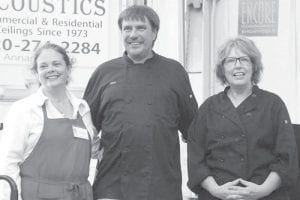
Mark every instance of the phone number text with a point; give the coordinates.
(32, 45)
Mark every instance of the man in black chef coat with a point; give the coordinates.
(139, 102)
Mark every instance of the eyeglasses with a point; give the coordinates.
(244, 60)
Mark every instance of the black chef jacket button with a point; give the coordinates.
(126, 172)
(147, 148)
(145, 174)
(128, 100)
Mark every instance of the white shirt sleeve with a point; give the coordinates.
(23, 126)
(13, 143)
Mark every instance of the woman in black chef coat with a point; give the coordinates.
(241, 144)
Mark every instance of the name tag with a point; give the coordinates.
(80, 133)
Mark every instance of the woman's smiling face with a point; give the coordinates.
(52, 69)
(238, 68)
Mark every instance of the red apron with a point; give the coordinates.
(58, 166)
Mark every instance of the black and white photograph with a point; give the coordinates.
(149, 99)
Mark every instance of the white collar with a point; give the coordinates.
(78, 104)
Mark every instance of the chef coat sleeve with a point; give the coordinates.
(92, 95)
(196, 149)
(187, 105)
(285, 148)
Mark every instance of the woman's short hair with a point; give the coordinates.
(54, 47)
(247, 47)
(139, 12)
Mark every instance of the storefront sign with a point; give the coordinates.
(258, 17)
(79, 26)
